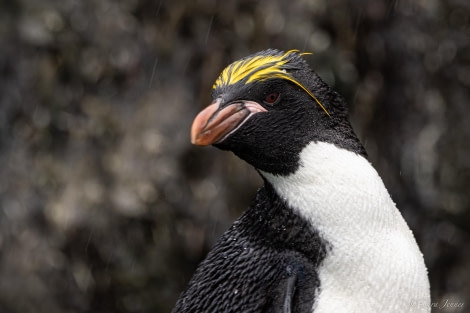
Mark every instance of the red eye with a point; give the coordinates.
(272, 97)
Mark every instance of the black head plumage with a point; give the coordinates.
(304, 109)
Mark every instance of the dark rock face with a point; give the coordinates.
(105, 206)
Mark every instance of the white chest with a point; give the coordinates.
(374, 264)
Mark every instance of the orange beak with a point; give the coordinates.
(215, 123)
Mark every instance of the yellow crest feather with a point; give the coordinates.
(259, 68)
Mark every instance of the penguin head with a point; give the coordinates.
(267, 107)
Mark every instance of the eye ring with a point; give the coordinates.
(272, 98)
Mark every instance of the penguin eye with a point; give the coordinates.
(272, 98)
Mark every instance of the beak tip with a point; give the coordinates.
(198, 128)
(195, 133)
(196, 140)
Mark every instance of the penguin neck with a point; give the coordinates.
(338, 192)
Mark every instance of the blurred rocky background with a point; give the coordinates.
(104, 204)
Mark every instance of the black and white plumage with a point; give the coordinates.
(322, 234)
